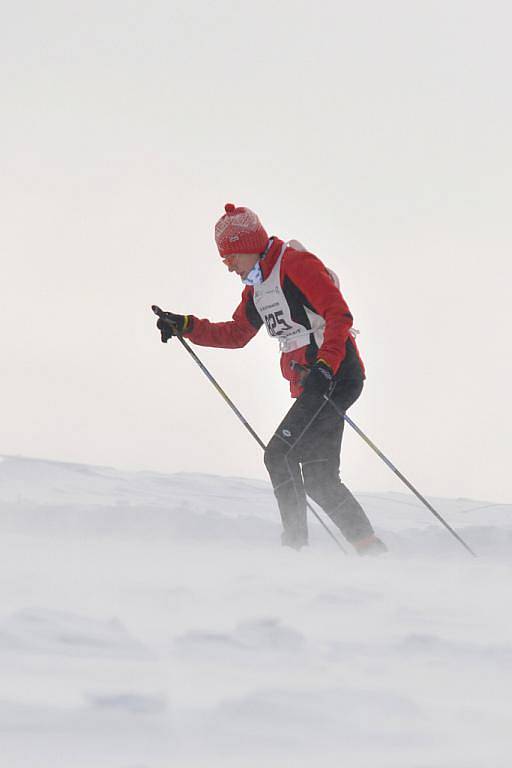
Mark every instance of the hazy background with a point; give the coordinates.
(376, 133)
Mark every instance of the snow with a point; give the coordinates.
(152, 620)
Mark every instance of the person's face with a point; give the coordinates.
(241, 263)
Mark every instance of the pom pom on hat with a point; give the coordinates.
(239, 231)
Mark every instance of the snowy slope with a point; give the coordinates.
(72, 498)
(150, 620)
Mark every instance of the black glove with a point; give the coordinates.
(170, 325)
(319, 380)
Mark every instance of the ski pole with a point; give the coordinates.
(388, 463)
(399, 474)
(244, 421)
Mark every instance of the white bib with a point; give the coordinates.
(271, 305)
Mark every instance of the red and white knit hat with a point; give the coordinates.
(239, 231)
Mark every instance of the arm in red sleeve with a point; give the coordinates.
(232, 334)
(322, 296)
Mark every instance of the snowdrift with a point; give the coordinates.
(152, 620)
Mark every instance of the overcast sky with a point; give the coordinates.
(376, 133)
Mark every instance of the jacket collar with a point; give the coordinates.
(268, 261)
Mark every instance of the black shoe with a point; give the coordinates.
(293, 540)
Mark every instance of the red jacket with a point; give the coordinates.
(306, 283)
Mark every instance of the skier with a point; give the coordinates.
(298, 299)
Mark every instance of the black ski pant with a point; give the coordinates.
(303, 457)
